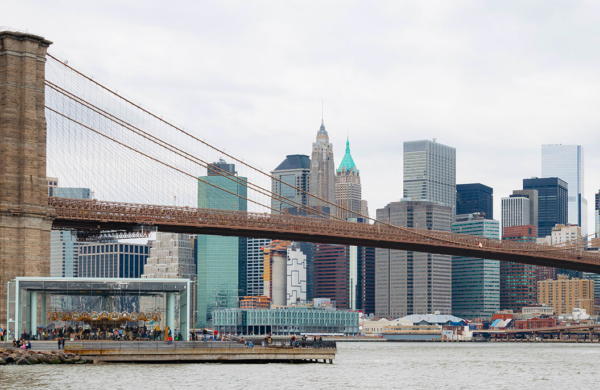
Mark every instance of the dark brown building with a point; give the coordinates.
(518, 282)
(345, 274)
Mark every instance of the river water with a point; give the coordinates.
(358, 365)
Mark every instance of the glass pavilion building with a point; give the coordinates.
(106, 302)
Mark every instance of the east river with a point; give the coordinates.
(358, 365)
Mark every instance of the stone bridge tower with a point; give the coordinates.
(25, 217)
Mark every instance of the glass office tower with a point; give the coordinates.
(221, 260)
(475, 198)
(597, 214)
(566, 163)
(552, 202)
(475, 281)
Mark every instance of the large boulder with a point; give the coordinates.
(23, 362)
(55, 360)
(9, 359)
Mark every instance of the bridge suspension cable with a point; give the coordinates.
(110, 91)
(177, 151)
(120, 118)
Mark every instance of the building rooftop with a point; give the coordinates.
(430, 318)
(322, 130)
(294, 161)
(347, 162)
(101, 286)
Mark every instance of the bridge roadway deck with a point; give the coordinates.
(101, 215)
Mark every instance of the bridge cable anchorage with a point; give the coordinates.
(180, 152)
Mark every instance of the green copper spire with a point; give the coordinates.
(347, 161)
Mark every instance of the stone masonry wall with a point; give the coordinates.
(25, 218)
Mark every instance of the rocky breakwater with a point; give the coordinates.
(27, 357)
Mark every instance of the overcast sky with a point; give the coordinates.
(494, 79)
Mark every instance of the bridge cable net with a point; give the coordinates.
(70, 96)
(132, 155)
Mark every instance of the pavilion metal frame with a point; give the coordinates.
(94, 286)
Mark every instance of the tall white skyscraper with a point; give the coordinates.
(566, 163)
(296, 274)
(516, 211)
(255, 269)
(430, 172)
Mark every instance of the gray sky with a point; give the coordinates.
(495, 80)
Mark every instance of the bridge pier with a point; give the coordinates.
(25, 217)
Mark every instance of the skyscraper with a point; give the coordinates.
(475, 281)
(64, 247)
(475, 198)
(518, 282)
(294, 171)
(532, 195)
(112, 260)
(597, 214)
(221, 260)
(255, 268)
(413, 282)
(515, 211)
(296, 274)
(322, 173)
(552, 202)
(348, 192)
(345, 274)
(170, 257)
(430, 173)
(566, 163)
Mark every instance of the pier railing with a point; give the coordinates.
(74, 346)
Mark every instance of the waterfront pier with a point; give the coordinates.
(198, 352)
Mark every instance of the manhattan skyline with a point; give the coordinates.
(496, 94)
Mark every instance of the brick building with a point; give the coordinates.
(535, 323)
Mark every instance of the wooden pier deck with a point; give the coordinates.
(196, 352)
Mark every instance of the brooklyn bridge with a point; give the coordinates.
(53, 114)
